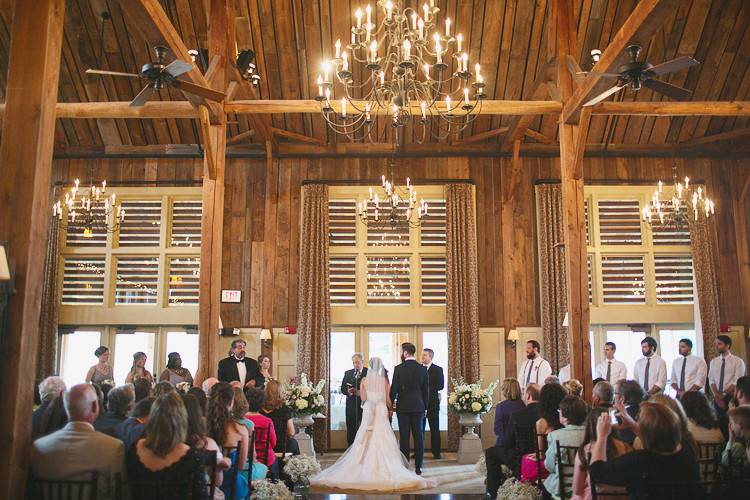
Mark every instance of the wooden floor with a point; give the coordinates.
(454, 481)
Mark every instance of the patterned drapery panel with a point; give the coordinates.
(314, 309)
(47, 353)
(703, 245)
(462, 291)
(553, 288)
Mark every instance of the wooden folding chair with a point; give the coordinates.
(63, 489)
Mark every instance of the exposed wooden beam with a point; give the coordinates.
(297, 137)
(729, 135)
(538, 136)
(208, 146)
(122, 109)
(482, 136)
(646, 18)
(26, 157)
(241, 137)
(539, 90)
(694, 108)
(249, 94)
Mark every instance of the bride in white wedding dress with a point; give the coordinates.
(374, 461)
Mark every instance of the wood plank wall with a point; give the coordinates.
(262, 212)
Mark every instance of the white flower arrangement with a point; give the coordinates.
(301, 468)
(265, 489)
(183, 387)
(304, 398)
(471, 398)
(512, 489)
(108, 381)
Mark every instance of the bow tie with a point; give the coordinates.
(239, 360)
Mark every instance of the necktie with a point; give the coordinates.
(645, 378)
(682, 374)
(721, 374)
(528, 375)
(609, 370)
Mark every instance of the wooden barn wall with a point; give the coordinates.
(262, 213)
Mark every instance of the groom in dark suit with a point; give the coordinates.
(409, 394)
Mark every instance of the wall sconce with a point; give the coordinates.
(265, 337)
(4, 267)
(513, 336)
(565, 321)
(247, 67)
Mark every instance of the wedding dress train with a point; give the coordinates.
(374, 461)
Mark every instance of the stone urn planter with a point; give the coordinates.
(469, 446)
(302, 422)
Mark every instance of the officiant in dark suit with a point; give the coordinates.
(409, 393)
(436, 382)
(238, 367)
(350, 388)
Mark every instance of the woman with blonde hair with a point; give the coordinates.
(276, 409)
(511, 403)
(573, 387)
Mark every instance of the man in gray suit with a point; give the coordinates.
(77, 450)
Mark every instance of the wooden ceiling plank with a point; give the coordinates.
(272, 71)
(538, 90)
(294, 136)
(482, 136)
(287, 59)
(304, 79)
(71, 89)
(642, 23)
(495, 37)
(312, 33)
(729, 135)
(241, 137)
(244, 40)
(674, 108)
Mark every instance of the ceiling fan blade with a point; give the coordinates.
(608, 75)
(671, 66)
(143, 95)
(178, 67)
(113, 73)
(604, 95)
(668, 89)
(211, 94)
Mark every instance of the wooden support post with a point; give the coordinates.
(510, 182)
(572, 146)
(269, 242)
(212, 223)
(26, 160)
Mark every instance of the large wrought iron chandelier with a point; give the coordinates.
(89, 212)
(687, 203)
(394, 206)
(411, 66)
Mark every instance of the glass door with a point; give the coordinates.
(344, 344)
(628, 345)
(127, 344)
(78, 355)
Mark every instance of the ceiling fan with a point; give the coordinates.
(641, 73)
(159, 75)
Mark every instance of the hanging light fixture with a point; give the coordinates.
(687, 203)
(89, 212)
(393, 206)
(411, 67)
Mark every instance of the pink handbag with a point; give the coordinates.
(530, 470)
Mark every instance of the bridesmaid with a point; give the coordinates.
(102, 370)
(138, 370)
(264, 371)
(175, 373)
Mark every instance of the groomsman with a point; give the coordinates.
(350, 387)
(724, 371)
(436, 382)
(611, 369)
(536, 368)
(651, 370)
(688, 370)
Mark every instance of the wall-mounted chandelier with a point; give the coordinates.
(411, 66)
(89, 213)
(687, 203)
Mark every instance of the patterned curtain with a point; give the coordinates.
(554, 300)
(314, 309)
(47, 353)
(703, 246)
(462, 291)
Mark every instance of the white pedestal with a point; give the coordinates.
(304, 440)
(470, 445)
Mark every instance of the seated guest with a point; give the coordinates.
(208, 384)
(572, 415)
(142, 389)
(256, 398)
(552, 379)
(162, 456)
(175, 373)
(676, 407)
(162, 388)
(602, 395)
(198, 439)
(77, 450)
(119, 403)
(228, 433)
(735, 452)
(702, 422)
(663, 454)
(497, 456)
(49, 389)
(201, 397)
(511, 403)
(549, 418)
(742, 391)
(240, 409)
(614, 448)
(628, 395)
(130, 430)
(573, 387)
(53, 419)
(276, 409)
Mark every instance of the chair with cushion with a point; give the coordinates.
(709, 461)
(565, 459)
(599, 490)
(59, 489)
(525, 442)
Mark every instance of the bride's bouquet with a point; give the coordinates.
(471, 398)
(304, 398)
